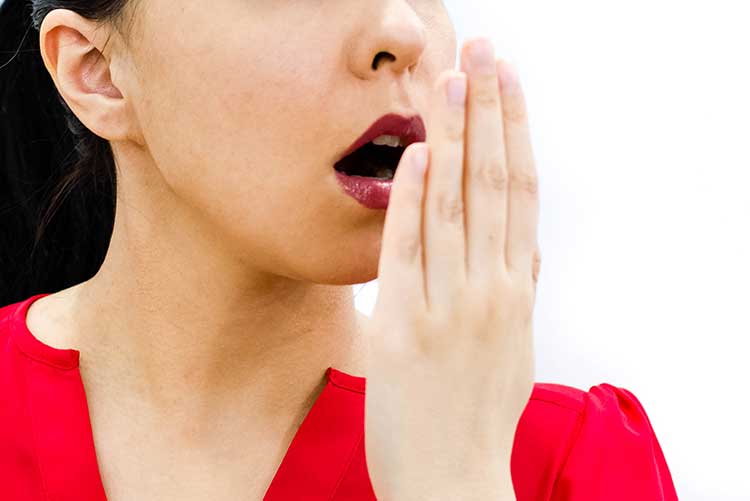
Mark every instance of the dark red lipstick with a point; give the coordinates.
(411, 130)
(374, 192)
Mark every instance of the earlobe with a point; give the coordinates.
(71, 49)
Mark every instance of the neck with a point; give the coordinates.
(192, 331)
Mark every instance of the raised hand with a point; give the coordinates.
(451, 364)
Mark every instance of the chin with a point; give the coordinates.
(354, 269)
(355, 275)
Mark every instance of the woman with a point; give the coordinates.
(201, 342)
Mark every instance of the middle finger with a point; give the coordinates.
(444, 235)
(486, 165)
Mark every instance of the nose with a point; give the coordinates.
(389, 34)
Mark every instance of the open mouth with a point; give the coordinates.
(372, 160)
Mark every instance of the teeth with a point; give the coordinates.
(384, 173)
(385, 140)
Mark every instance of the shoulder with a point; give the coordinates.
(9, 324)
(567, 434)
(561, 416)
(558, 397)
(12, 373)
(7, 313)
(551, 416)
(557, 401)
(544, 434)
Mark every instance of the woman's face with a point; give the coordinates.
(245, 105)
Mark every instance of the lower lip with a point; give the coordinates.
(368, 191)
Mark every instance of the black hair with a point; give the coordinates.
(57, 178)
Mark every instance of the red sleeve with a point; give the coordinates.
(615, 454)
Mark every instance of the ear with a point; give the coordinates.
(73, 50)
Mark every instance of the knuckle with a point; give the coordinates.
(515, 112)
(493, 173)
(429, 340)
(450, 207)
(499, 285)
(454, 130)
(524, 180)
(459, 312)
(409, 248)
(485, 91)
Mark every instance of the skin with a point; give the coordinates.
(451, 364)
(225, 292)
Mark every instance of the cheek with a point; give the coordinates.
(242, 142)
(243, 109)
(241, 106)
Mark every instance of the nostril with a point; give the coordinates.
(379, 55)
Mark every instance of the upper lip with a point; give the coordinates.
(410, 129)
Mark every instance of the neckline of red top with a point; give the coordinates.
(68, 358)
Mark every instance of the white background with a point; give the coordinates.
(639, 114)
(640, 120)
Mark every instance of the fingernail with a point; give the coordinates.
(508, 75)
(482, 55)
(457, 90)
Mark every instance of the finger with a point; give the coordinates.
(523, 187)
(444, 237)
(400, 274)
(486, 167)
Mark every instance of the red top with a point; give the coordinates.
(569, 444)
